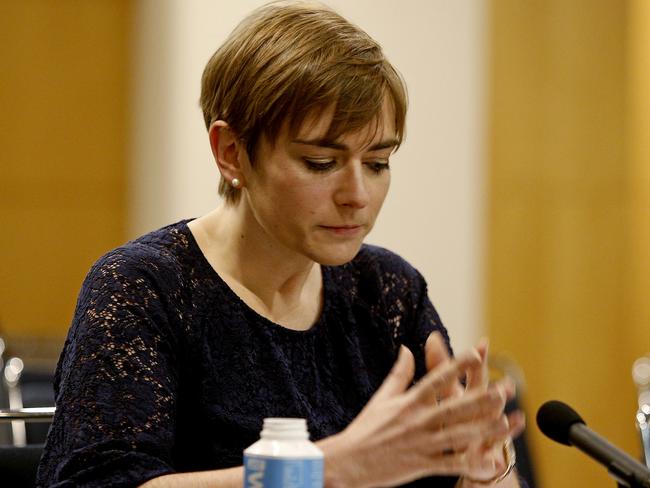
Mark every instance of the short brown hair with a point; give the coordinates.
(287, 61)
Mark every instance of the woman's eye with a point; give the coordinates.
(319, 164)
(377, 166)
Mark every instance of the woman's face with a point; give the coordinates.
(319, 198)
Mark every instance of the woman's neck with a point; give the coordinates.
(279, 284)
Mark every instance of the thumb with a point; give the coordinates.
(479, 377)
(435, 351)
(437, 354)
(400, 376)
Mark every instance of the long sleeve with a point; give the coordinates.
(116, 382)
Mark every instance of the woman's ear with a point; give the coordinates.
(226, 149)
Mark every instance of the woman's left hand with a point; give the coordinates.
(484, 460)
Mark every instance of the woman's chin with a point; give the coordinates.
(338, 256)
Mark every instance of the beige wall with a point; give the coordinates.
(433, 213)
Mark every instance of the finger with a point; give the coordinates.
(473, 406)
(400, 376)
(517, 421)
(488, 456)
(451, 451)
(482, 347)
(450, 463)
(460, 437)
(435, 350)
(443, 377)
(478, 377)
(436, 354)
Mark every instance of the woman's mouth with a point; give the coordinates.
(343, 230)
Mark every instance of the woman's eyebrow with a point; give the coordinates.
(388, 143)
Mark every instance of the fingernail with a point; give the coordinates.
(402, 351)
(512, 385)
(497, 393)
(482, 347)
(518, 418)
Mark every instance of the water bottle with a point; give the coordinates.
(283, 457)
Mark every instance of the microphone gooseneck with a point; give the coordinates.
(562, 424)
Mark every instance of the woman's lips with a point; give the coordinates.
(343, 230)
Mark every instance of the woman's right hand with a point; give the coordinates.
(428, 429)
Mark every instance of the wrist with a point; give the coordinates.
(341, 469)
(344, 462)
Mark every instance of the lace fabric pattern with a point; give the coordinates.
(166, 370)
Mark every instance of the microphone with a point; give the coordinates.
(562, 424)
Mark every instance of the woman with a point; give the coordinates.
(186, 338)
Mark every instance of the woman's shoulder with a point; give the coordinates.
(160, 247)
(157, 256)
(142, 279)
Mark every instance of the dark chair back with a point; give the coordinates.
(18, 465)
(500, 366)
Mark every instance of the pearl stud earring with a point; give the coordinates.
(235, 182)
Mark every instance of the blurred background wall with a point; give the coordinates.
(568, 254)
(64, 127)
(522, 192)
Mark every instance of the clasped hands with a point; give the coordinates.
(434, 427)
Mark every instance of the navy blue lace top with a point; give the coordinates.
(166, 370)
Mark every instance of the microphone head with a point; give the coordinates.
(555, 419)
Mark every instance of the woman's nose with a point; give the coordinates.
(352, 190)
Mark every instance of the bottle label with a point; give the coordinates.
(271, 472)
